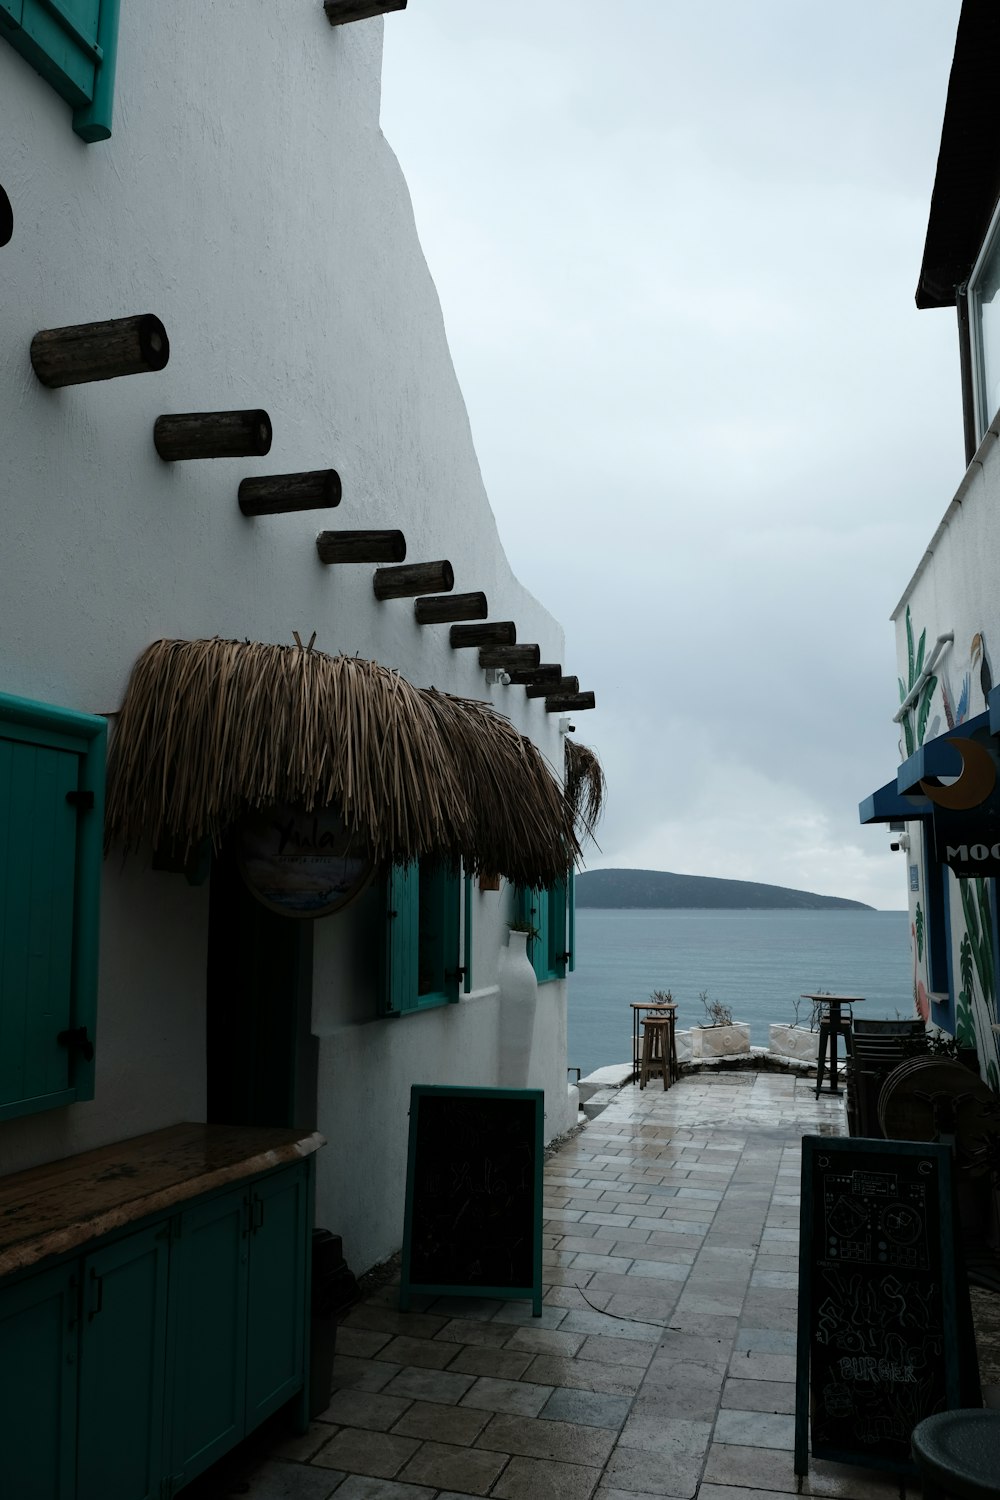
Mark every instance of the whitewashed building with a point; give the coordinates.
(219, 170)
(948, 618)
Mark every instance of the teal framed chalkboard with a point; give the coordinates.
(884, 1327)
(473, 1221)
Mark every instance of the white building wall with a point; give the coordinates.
(954, 589)
(248, 198)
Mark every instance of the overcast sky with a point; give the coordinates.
(676, 246)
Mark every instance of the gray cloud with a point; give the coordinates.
(676, 247)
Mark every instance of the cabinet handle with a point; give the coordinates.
(96, 1285)
(258, 1214)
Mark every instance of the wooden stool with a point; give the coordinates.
(831, 1027)
(958, 1453)
(658, 1049)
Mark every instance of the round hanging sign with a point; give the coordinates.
(302, 864)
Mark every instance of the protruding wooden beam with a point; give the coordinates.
(413, 579)
(493, 633)
(447, 607)
(99, 351)
(340, 12)
(510, 656)
(361, 546)
(547, 674)
(212, 434)
(6, 219)
(569, 703)
(543, 689)
(277, 494)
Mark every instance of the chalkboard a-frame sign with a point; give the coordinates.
(883, 1321)
(473, 1223)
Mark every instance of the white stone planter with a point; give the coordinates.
(720, 1041)
(793, 1041)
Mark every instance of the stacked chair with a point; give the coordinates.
(877, 1048)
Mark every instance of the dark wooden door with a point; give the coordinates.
(259, 998)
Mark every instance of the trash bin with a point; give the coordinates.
(333, 1289)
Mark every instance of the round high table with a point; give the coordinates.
(830, 1028)
(638, 1006)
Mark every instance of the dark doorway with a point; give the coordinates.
(260, 1052)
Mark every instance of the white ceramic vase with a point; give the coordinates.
(518, 997)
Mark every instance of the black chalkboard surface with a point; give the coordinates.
(473, 1222)
(880, 1304)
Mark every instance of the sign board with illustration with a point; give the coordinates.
(473, 1218)
(301, 864)
(883, 1318)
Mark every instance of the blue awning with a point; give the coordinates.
(937, 757)
(888, 806)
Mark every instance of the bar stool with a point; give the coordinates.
(833, 1024)
(957, 1453)
(659, 1050)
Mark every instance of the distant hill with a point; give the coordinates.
(661, 889)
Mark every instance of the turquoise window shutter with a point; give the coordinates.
(571, 919)
(73, 44)
(557, 924)
(451, 922)
(399, 986)
(467, 936)
(51, 830)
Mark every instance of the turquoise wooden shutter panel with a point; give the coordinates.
(451, 922)
(399, 991)
(467, 944)
(38, 849)
(59, 38)
(557, 930)
(571, 919)
(73, 45)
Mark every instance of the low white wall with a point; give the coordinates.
(365, 1074)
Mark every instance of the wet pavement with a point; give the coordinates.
(664, 1362)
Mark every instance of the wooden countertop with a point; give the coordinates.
(51, 1209)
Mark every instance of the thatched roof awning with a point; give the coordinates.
(586, 787)
(210, 728)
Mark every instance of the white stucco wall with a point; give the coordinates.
(248, 198)
(954, 589)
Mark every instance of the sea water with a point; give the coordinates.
(756, 962)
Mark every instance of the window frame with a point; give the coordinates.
(991, 243)
(550, 911)
(25, 721)
(399, 988)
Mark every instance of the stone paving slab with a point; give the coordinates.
(663, 1364)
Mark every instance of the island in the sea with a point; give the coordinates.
(663, 889)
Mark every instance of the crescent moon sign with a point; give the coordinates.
(975, 782)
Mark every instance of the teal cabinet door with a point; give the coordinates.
(276, 1310)
(208, 1302)
(123, 1357)
(38, 1384)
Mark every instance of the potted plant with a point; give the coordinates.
(720, 1036)
(797, 1041)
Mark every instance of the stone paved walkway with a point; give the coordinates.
(664, 1362)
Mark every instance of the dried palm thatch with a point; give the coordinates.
(586, 787)
(210, 728)
(522, 823)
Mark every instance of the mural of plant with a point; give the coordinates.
(976, 1007)
(919, 933)
(921, 709)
